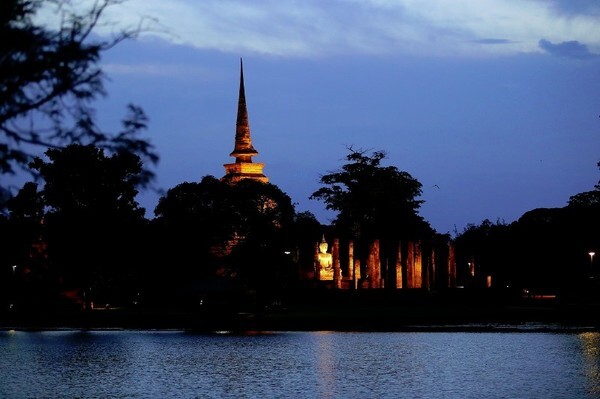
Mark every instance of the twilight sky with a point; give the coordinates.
(496, 102)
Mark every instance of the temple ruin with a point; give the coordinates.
(392, 264)
(350, 264)
(243, 167)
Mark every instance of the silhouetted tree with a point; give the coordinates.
(545, 250)
(491, 248)
(306, 231)
(23, 225)
(373, 201)
(82, 182)
(192, 219)
(587, 199)
(20, 230)
(49, 79)
(27, 204)
(93, 221)
(263, 220)
(549, 248)
(234, 230)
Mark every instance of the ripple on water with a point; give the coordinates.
(149, 364)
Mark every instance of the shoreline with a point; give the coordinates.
(536, 317)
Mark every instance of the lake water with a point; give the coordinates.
(151, 364)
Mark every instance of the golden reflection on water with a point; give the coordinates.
(590, 344)
(325, 364)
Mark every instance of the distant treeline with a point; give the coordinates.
(79, 236)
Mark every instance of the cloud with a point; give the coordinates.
(576, 7)
(569, 49)
(493, 41)
(158, 70)
(310, 28)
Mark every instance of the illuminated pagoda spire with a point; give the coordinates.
(243, 168)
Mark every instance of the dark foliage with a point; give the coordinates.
(307, 231)
(587, 199)
(49, 77)
(373, 201)
(546, 250)
(488, 248)
(81, 182)
(238, 231)
(81, 233)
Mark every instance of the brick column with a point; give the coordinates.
(451, 266)
(399, 266)
(410, 264)
(335, 257)
(418, 268)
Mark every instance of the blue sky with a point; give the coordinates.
(493, 105)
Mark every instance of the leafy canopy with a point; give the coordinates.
(373, 200)
(49, 79)
(587, 199)
(81, 182)
(245, 209)
(241, 229)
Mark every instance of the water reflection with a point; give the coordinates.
(590, 343)
(325, 364)
(321, 365)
